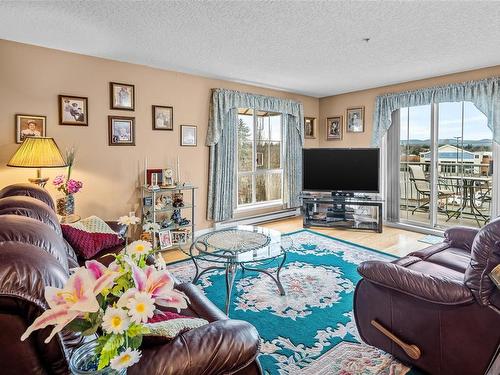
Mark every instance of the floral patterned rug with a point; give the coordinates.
(311, 330)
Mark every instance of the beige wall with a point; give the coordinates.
(32, 77)
(337, 105)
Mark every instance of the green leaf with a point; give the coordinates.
(110, 345)
(137, 329)
(79, 325)
(135, 342)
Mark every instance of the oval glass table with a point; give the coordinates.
(244, 247)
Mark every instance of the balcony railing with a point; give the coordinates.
(468, 192)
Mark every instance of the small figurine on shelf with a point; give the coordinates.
(176, 217)
(178, 200)
(166, 223)
(184, 221)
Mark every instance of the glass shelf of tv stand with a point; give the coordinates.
(328, 198)
(358, 212)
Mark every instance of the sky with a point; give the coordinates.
(450, 122)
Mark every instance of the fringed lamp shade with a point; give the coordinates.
(37, 152)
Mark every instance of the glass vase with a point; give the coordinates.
(84, 362)
(66, 205)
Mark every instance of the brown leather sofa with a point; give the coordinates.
(33, 254)
(440, 300)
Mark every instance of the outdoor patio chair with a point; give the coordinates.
(423, 187)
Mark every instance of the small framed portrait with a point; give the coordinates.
(188, 135)
(180, 237)
(73, 110)
(29, 126)
(121, 131)
(148, 201)
(122, 96)
(355, 118)
(334, 128)
(309, 127)
(165, 239)
(163, 118)
(154, 176)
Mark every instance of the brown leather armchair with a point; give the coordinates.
(33, 254)
(436, 308)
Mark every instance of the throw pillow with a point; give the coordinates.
(89, 236)
(166, 326)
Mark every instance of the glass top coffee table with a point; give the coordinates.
(246, 247)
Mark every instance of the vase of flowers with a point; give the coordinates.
(115, 303)
(65, 205)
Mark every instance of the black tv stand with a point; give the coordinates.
(340, 211)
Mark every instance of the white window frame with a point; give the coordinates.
(266, 204)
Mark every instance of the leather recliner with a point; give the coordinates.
(435, 309)
(33, 254)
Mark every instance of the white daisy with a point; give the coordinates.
(141, 307)
(115, 320)
(151, 227)
(125, 359)
(128, 220)
(139, 247)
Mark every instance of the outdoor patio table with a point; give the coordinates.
(469, 186)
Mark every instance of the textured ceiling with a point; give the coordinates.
(313, 48)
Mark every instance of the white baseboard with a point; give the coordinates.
(258, 219)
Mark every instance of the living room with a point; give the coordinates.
(249, 188)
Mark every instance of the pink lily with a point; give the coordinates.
(158, 284)
(66, 304)
(103, 276)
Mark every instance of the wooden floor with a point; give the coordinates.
(393, 241)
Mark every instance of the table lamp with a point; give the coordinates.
(37, 152)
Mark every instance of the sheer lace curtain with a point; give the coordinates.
(223, 143)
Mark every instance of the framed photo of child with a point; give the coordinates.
(165, 239)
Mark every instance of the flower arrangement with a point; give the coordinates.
(67, 185)
(114, 302)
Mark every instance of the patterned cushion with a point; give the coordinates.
(167, 325)
(89, 236)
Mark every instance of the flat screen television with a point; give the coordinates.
(340, 169)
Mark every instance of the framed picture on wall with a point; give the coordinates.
(121, 131)
(334, 128)
(122, 96)
(163, 117)
(188, 135)
(309, 127)
(355, 118)
(73, 110)
(29, 126)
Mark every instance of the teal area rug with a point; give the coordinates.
(311, 330)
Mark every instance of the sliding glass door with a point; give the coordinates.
(446, 167)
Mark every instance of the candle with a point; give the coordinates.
(146, 171)
(178, 174)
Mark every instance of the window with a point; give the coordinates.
(459, 190)
(260, 171)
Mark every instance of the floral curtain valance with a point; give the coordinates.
(485, 94)
(223, 101)
(223, 143)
